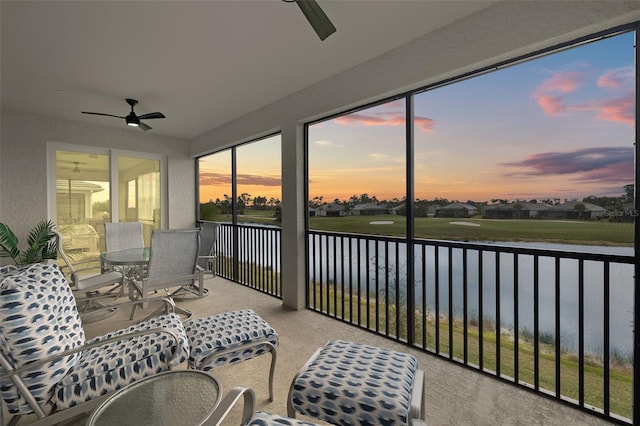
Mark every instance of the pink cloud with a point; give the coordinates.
(616, 79)
(563, 82)
(620, 110)
(385, 119)
(424, 123)
(370, 120)
(551, 105)
(550, 95)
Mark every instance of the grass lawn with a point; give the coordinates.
(598, 232)
(362, 311)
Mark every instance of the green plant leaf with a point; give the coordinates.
(8, 243)
(38, 243)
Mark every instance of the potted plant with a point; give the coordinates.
(41, 244)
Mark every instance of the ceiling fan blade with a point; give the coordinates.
(144, 127)
(317, 18)
(151, 115)
(99, 113)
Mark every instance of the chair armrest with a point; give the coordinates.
(229, 402)
(169, 304)
(166, 282)
(10, 371)
(291, 411)
(417, 408)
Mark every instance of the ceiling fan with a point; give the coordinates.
(132, 119)
(315, 15)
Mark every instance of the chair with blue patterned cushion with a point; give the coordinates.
(46, 360)
(230, 338)
(350, 383)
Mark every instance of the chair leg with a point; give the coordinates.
(272, 371)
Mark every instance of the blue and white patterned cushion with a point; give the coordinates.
(107, 368)
(354, 384)
(261, 418)
(236, 329)
(38, 317)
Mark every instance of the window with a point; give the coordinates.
(357, 172)
(257, 183)
(97, 186)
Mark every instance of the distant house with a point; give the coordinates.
(400, 209)
(457, 210)
(568, 210)
(369, 209)
(331, 210)
(517, 210)
(432, 210)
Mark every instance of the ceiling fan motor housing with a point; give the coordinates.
(132, 120)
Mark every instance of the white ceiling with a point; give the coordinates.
(201, 63)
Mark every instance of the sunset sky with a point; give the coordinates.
(561, 126)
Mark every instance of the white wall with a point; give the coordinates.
(501, 32)
(23, 165)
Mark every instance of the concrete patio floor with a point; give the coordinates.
(454, 395)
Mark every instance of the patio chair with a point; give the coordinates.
(208, 238)
(206, 260)
(122, 236)
(49, 369)
(172, 263)
(86, 278)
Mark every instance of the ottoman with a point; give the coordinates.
(347, 383)
(229, 338)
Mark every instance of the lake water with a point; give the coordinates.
(621, 285)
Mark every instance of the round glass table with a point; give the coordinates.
(132, 257)
(177, 397)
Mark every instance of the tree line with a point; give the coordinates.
(245, 200)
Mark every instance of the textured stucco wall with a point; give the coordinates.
(23, 165)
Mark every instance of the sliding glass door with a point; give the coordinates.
(97, 186)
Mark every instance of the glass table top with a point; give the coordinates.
(177, 397)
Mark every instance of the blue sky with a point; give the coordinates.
(556, 127)
(560, 126)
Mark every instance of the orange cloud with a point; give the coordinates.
(208, 179)
(213, 179)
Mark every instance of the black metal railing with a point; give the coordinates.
(556, 321)
(250, 255)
